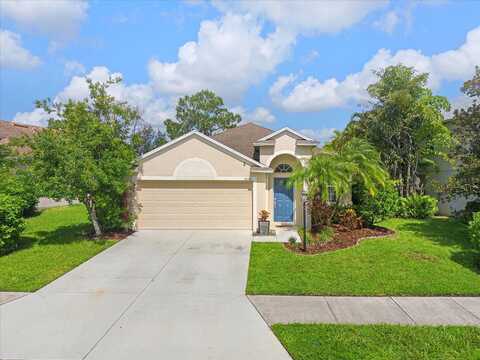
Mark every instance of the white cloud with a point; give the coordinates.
(154, 109)
(259, 115)
(229, 56)
(57, 18)
(13, 55)
(73, 67)
(36, 117)
(309, 16)
(321, 135)
(313, 94)
(388, 22)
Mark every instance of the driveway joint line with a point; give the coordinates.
(403, 310)
(136, 298)
(464, 308)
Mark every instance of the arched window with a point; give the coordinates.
(283, 168)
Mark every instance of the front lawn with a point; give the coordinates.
(425, 257)
(56, 242)
(386, 342)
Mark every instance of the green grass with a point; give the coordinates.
(385, 342)
(425, 257)
(55, 242)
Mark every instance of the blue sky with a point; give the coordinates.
(300, 64)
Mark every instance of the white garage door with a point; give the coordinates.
(195, 205)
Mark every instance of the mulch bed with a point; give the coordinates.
(116, 235)
(342, 238)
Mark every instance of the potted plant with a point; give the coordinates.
(263, 222)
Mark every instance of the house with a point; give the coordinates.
(10, 130)
(223, 181)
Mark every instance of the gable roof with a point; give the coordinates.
(213, 142)
(285, 129)
(243, 137)
(10, 130)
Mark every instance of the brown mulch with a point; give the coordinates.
(116, 235)
(342, 238)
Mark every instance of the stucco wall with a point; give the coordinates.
(188, 154)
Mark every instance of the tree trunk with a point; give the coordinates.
(92, 212)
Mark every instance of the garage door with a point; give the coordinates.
(195, 205)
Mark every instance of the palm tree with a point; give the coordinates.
(339, 164)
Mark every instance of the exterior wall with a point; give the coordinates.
(266, 153)
(285, 143)
(186, 157)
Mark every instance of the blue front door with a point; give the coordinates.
(283, 199)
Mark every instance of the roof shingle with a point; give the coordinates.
(243, 137)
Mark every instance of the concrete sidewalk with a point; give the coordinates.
(368, 310)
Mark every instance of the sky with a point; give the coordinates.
(301, 64)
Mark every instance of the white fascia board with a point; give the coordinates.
(261, 170)
(174, 178)
(269, 136)
(207, 138)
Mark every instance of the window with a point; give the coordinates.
(256, 153)
(283, 168)
(332, 195)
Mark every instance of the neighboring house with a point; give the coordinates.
(222, 182)
(446, 207)
(10, 130)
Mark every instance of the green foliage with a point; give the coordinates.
(375, 342)
(467, 214)
(11, 222)
(147, 138)
(203, 111)
(323, 235)
(418, 206)
(338, 164)
(16, 180)
(57, 241)
(405, 124)
(431, 257)
(86, 153)
(466, 154)
(474, 230)
(378, 207)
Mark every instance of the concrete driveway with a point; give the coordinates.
(158, 294)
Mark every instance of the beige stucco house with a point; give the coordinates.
(223, 181)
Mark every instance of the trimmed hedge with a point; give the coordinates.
(474, 230)
(11, 222)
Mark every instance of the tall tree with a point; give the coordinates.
(466, 153)
(203, 111)
(147, 138)
(86, 154)
(405, 123)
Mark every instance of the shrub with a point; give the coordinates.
(467, 214)
(349, 219)
(474, 230)
(11, 222)
(22, 187)
(372, 209)
(292, 240)
(418, 206)
(321, 214)
(111, 212)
